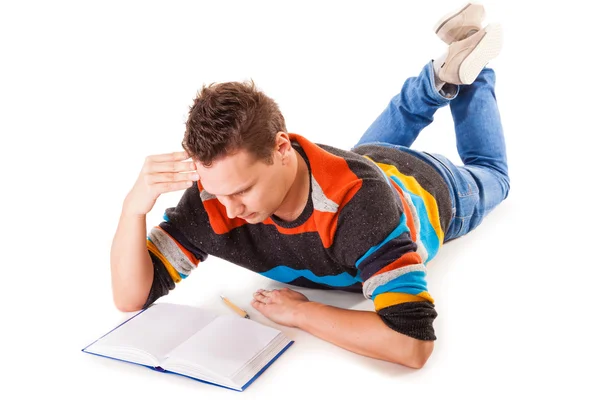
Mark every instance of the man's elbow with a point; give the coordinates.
(421, 353)
(415, 354)
(125, 305)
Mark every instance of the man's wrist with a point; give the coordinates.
(132, 215)
(303, 312)
(128, 210)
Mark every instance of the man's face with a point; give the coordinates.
(249, 189)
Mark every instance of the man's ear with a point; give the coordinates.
(283, 146)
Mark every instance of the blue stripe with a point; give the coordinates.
(286, 274)
(400, 229)
(166, 217)
(427, 233)
(413, 283)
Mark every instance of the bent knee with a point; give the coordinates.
(505, 184)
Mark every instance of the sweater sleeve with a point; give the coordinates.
(173, 245)
(376, 234)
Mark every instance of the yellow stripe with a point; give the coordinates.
(384, 300)
(172, 271)
(413, 186)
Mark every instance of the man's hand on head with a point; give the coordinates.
(160, 174)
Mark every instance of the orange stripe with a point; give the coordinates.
(338, 182)
(389, 299)
(217, 216)
(189, 255)
(308, 226)
(327, 222)
(409, 217)
(407, 259)
(221, 223)
(172, 271)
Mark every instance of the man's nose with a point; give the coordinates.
(232, 206)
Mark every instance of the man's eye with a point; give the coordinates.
(241, 193)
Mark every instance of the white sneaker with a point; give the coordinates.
(456, 25)
(466, 58)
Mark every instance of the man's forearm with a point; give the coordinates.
(131, 265)
(362, 332)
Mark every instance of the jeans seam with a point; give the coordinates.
(469, 193)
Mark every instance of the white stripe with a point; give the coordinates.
(320, 201)
(171, 251)
(378, 280)
(204, 195)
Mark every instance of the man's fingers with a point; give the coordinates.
(169, 166)
(167, 177)
(175, 156)
(168, 172)
(172, 186)
(259, 296)
(257, 304)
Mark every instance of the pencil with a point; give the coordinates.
(235, 308)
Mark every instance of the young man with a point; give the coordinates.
(366, 220)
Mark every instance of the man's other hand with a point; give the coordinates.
(160, 174)
(279, 305)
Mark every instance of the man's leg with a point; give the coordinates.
(412, 109)
(482, 182)
(479, 133)
(408, 112)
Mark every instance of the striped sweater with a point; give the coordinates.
(375, 217)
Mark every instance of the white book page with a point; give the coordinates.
(159, 329)
(225, 345)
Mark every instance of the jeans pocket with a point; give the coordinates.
(466, 206)
(443, 165)
(467, 189)
(462, 178)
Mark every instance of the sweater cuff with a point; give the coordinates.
(414, 319)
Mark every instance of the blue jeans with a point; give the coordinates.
(479, 185)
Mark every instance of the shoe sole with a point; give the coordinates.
(488, 48)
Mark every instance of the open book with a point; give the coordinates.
(228, 351)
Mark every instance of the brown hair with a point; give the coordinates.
(232, 116)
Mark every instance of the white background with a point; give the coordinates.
(88, 89)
